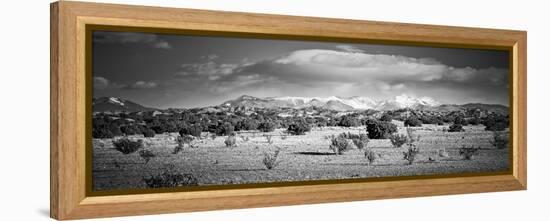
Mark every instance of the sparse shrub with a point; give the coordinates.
(127, 146)
(130, 129)
(147, 132)
(460, 120)
(339, 144)
(299, 128)
(386, 117)
(370, 155)
(380, 129)
(158, 129)
(224, 129)
(193, 130)
(455, 128)
(412, 150)
(410, 154)
(496, 123)
(269, 138)
(270, 160)
(182, 141)
(397, 140)
(361, 141)
(468, 152)
(177, 149)
(267, 126)
(349, 121)
(102, 132)
(246, 124)
(411, 137)
(426, 119)
(474, 121)
(107, 130)
(245, 138)
(230, 141)
(500, 140)
(412, 121)
(146, 155)
(169, 178)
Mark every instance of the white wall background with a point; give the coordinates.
(24, 99)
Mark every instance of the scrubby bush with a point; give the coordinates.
(370, 155)
(339, 144)
(496, 123)
(412, 150)
(246, 124)
(459, 120)
(386, 117)
(349, 121)
(361, 141)
(192, 130)
(500, 140)
(230, 141)
(267, 126)
(270, 160)
(127, 146)
(380, 129)
(182, 141)
(412, 121)
(170, 178)
(455, 128)
(269, 138)
(299, 128)
(468, 152)
(427, 119)
(105, 130)
(397, 140)
(410, 154)
(474, 121)
(224, 129)
(130, 129)
(147, 132)
(102, 132)
(146, 155)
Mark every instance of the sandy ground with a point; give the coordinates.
(306, 157)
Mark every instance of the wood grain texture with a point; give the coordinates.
(68, 107)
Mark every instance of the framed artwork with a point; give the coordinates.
(160, 110)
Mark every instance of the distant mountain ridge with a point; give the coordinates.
(334, 103)
(356, 103)
(115, 104)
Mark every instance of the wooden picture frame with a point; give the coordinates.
(69, 198)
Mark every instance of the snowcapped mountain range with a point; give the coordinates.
(356, 103)
(334, 103)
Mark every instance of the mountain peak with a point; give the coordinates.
(115, 104)
(333, 102)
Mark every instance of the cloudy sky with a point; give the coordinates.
(193, 71)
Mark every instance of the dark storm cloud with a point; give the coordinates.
(130, 37)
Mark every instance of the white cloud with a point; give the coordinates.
(101, 83)
(330, 65)
(210, 57)
(144, 85)
(349, 48)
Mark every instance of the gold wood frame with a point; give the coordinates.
(70, 88)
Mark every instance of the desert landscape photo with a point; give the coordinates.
(183, 111)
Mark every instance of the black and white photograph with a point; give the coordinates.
(181, 110)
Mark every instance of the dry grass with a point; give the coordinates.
(305, 157)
